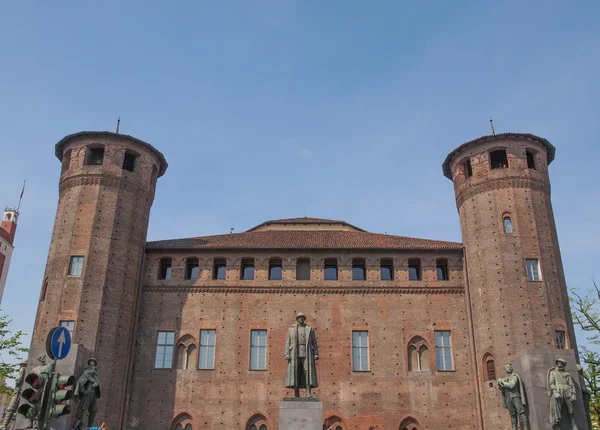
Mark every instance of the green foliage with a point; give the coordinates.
(10, 353)
(591, 374)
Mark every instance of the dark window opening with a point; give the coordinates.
(560, 339)
(468, 168)
(219, 269)
(530, 160)
(44, 289)
(154, 176)
(303, 269)
(247, 271)
(164, 271)
(359, 271)
(441, 267)
(275, 269)
(66, 160)
(414, 270)
(129, 161)
(331, 270)
(498, 159)
(94, 156)
(490, 367)
(386, 270)
(192, 271)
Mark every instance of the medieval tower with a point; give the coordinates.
(517, 295)
(95, 259)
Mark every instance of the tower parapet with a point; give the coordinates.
(91, 281)
(517, 290)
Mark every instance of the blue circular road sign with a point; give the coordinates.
(60, 342)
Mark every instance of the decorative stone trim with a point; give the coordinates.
(103, 181)
(305, 290)
(495, 184)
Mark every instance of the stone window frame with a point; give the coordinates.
(183, 420)
(185, 353)
(531, 275)
(257, 421)
(164, 345)
(418, 342)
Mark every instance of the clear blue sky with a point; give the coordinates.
(273, 108)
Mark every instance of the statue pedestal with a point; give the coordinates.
(300, 413)
(532, 366)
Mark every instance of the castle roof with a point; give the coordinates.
(304, 233)
(59, 151)
(550, 150)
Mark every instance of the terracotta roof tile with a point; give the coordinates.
(303, 239)
(303, 221)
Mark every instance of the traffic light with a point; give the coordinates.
(60, 391)
(33, 395)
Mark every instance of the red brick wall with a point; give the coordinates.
(226, 397)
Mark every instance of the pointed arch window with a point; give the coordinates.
(182, 422)
(257, 422)
(410, 424)
(418, 355)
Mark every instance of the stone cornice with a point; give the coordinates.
(468, 191)
(304, 290)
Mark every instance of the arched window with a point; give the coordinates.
(186, 353)
(66, 161)
(530, 160)
(182, 422)
(386, 269)
(489, 367)
(468, 169)
(441, 268)
(410, 424)
(507, 223)
(330, 269)
(418, 355)
(257, 422)
(414, 269)
(333, 423)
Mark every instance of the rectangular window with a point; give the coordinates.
(76, 266)
(358, 270)
(414, 270)
(468, 168)
(165, 268)
(530, 160)
(208, 342)
(330, 270)
(532, 266)
(498, 159)
(275, 270)
(441, 268)
(443, 350)
(360, 351)
(66, 161)
(192, 271)
(164, 350)
(258, 350)
(94, 156)
(69, 325)
(303, 269)
(247, 272)
(129, 161)
(220, 269)
(386, 270)
(561, 342)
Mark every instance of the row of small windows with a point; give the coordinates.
(94, 156)
(330, 273)
(185, 357)
(499, 160)
(192, 269)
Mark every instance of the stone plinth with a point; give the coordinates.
(532, 366)
(300, 413)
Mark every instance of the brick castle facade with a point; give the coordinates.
(189, 333)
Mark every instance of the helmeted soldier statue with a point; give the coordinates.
(87, 390)
(561, 389)
(513, 398)
(301, 353)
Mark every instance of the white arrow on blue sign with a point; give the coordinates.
(60, 342)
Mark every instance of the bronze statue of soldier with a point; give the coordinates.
(87, 390)
(301, 353)
(561, 389)
(513, 398)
